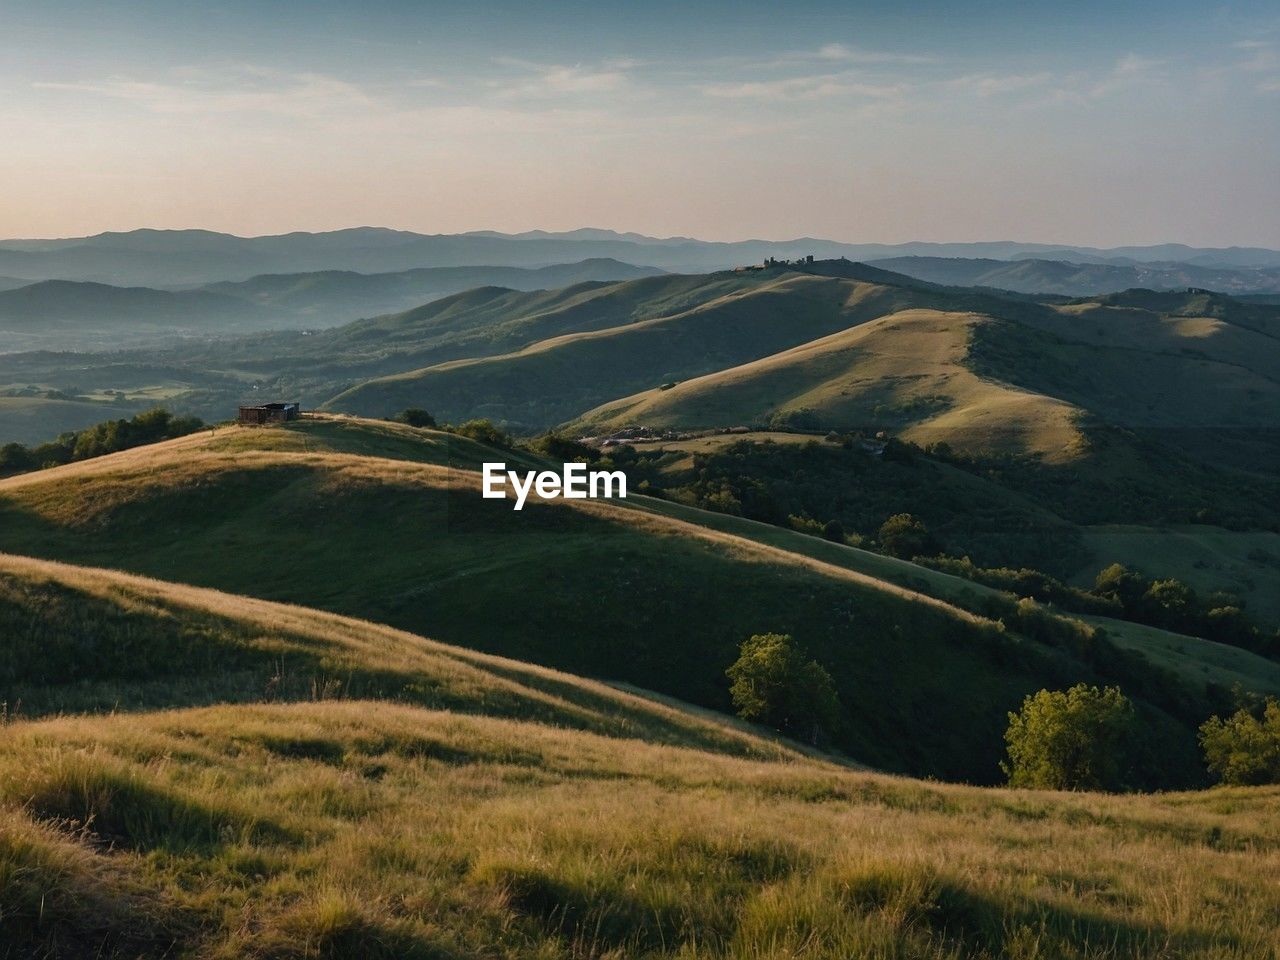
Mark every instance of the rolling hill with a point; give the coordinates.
(61, 314)
(904, 372)
(1195, 369)
(1034, 275)
(65, 305)
(333, 297)
(627, 591)
(359, 791)
(751, 316)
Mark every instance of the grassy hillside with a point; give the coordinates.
(85, 640)
(602, 590)
(379, 830)
(480, 806)
(905, 373)
(1191, 371)
(1197, 372)
(1154, 362)
(557, 378)
(987, 374)
(1246, 564)
(1196, 661)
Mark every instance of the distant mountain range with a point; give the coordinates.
(1075, 279)
(170, 258)
(56, 313)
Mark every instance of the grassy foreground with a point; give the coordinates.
(480, 807)
(377, 830)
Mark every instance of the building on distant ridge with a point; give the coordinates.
(264, 413)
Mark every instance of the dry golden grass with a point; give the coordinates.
(905, 371)
(542, 815)
(372, 829)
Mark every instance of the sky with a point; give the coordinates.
(1083, 123)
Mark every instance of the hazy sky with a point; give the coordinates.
(1092, 123)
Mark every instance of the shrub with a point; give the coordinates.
(416, 417)
(832, 531)
(483, 431)
(1244, 749)
(905, 536)
(776, 684)
(565, 449)
(1121, 585)
(1172, 604)
(1075, 739)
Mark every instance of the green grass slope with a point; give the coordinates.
(559, 377)
(988, 374)
(598, 589)
(279, 782)
(1199, 372)
(479, 321)
(1243, 563)
(905, 372)
(86, 640)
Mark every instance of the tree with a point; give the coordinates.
(1172, 604)
(1244, 749)
(416, 417)
(906, 536)
(483, 431)
(565, 449)
(833, 531)
(1075, 739)
(1117, 582)
(776, 684)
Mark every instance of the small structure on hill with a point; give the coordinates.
(771, 262)
(264, 413)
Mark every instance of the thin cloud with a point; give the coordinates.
(801, 88)
(257, 91)
(559, 80)
(847, 54)
(990, 85)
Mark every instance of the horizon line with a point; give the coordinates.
(622, 235)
